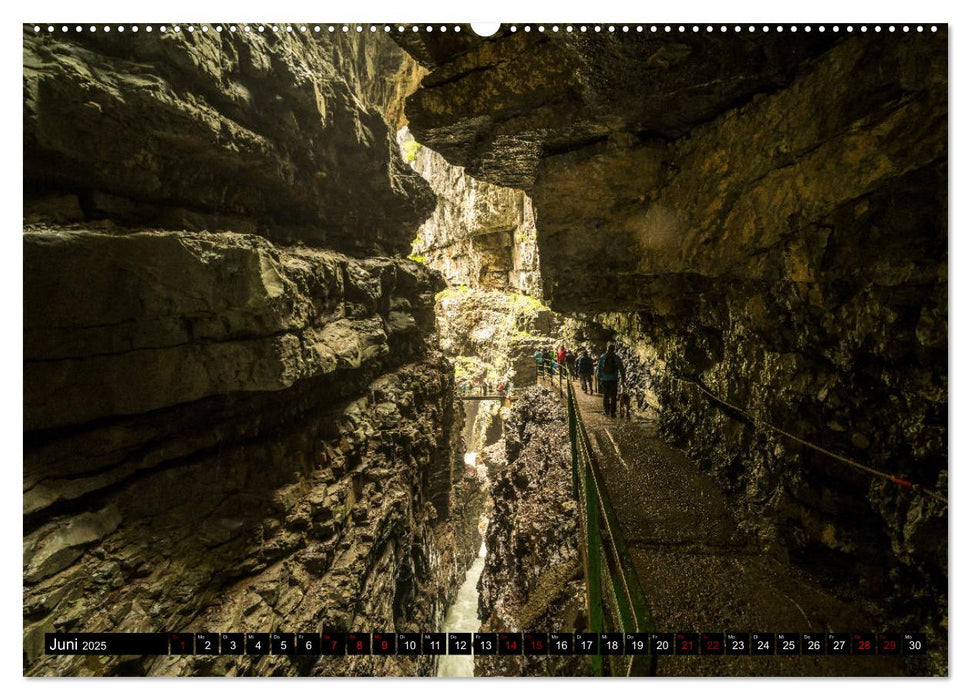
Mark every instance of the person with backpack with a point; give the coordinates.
(585, 370)
(610, 370)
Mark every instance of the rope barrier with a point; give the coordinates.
(903, 483)
(551, 366)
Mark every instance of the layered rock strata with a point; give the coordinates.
(481, 109)
(237, 131)
(482, 238)
(227, 426)
(764, 216)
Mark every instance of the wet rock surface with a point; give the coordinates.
(327, 521)
(533, 577)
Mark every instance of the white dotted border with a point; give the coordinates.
(555, 28)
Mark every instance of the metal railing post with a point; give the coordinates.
(594, 593)
(574, 457)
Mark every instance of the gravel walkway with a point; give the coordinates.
(700, 573)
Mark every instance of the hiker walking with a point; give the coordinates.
(610, 370)
(585, 370)
(571, 364)
(596, 377)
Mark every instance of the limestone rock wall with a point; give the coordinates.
(499, 106)
(482, 239)
(492, 335)
(247, 132)
(479, 235)
(765, 216)
(235, 418)
(533, 575)
(376, 71)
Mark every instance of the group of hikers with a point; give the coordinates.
(603, 377)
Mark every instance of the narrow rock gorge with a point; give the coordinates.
(482, 239)
(491, 320)
(267, 273)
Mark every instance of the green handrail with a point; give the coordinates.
(622, 602)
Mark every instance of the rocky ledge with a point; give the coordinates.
(479, 235)
(283, 134)
(224, 434)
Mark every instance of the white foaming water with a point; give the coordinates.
(470, 458)
(463, 616)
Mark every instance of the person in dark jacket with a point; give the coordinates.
(610, 370)
(585, 370)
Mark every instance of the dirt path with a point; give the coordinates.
(700, 573)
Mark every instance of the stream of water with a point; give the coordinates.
(463, 616)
